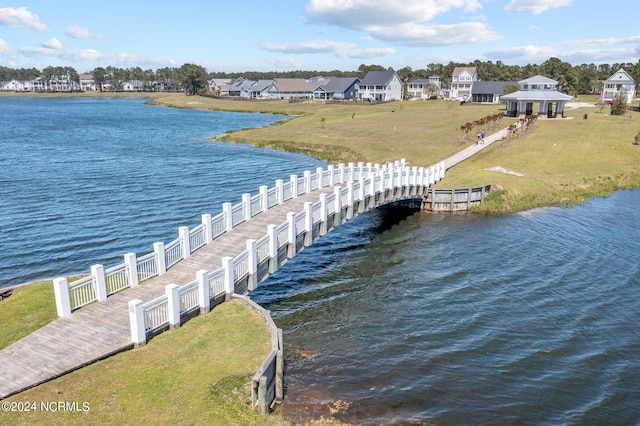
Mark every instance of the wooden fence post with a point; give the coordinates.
(173, 305)
(136, 322)
(61, 291)
(204, 295)
(132, 269)
(97, 271)
(161, 264)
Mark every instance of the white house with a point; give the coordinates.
(462, 80)
(536, 90)
(422, 87)
(621, 81)
(380, 86)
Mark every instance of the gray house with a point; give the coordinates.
(380, 86)
(337, 88)
(489, 92)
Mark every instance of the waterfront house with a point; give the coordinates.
(380, 86)
(538, 90)
(619, 82)
(462, 80)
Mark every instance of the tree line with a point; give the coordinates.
(572, 79)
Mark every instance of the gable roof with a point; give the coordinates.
(378, 78)
(622, 77)
(293, 85)
(536, 95)
(339, 84)
(538, 79)
(460, 70)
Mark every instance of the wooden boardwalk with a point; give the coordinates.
(101, 329)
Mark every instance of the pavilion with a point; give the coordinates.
(536, 90)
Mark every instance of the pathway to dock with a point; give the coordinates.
(101, 329)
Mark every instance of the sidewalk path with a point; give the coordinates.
(469, 151)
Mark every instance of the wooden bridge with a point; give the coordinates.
(117, 308)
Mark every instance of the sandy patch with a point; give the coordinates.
(501, 169)
(194, 103)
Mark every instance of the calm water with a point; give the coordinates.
(396, 317)
(461, 319)
(84, 181)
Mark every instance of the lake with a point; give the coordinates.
(397, 317)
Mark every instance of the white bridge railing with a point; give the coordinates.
(394, 181)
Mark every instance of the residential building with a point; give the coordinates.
(489, 92)
(536, 90)
(620, 81)
(291, 88)
(380, 86)
(424, 88)
(462, 80)
(336, 88)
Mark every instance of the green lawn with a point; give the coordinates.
(562, 161)
(26, 310)
(196, 374)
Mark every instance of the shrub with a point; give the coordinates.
(619, 105)
(637, 138)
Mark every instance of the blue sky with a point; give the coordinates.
(282, 35)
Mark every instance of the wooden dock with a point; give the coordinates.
(101, 329)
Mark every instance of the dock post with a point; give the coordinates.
(308, 224)
(173, 305)
(324, 216)
(252, 264)
(61, 291)
(132, 269)
(273, 248)
(204, 295)
(292, 235)
(97, 271)
(136, 322)
(229, 278)
(208, 229)
(183, 232)
(161, 264)
(264, 198)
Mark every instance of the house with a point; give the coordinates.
(12, 86)
(337, 88)
(489, 92)
(380, 86)
(258, 90)
(424, 88)
(86, 82)
(620, 81)
(291, 88)
(462, 80)
(536, 90)
(216, 84)
(133, 86)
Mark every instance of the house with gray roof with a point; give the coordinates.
(291, 88)
(619, 82)
(336, 88)
(538, 90)
(380, 86)
(489, 92)
(424, 88)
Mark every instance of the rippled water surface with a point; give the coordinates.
(396, 317)
(462, 319)
(86, 180)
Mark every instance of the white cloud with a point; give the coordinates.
(312, 46)
(20, 17)
(435, 35)
(76, 31)
(405, 24)
(359, 14)
(535, 6)
(538, 54)
(608, 40)
(4, 47)
(52, 44)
